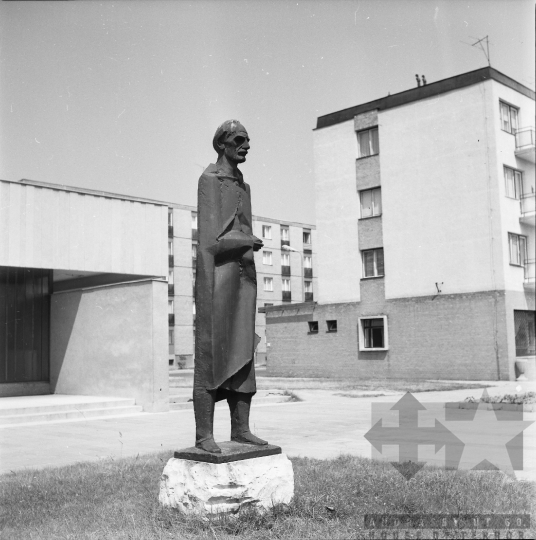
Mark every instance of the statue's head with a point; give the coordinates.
(231, 139)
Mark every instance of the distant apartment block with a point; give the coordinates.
(425, 242)
(284, 275)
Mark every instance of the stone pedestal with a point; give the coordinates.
(197, 482)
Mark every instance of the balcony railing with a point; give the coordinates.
(285, 242)
(195, 234)
(171, 289)
(308, 272)
(530, 273)
(170, 231)
(287, 297)
(309, 297)
(528, 207)
(171, 319)
(171, 261)
(285, 270)
(525, 144)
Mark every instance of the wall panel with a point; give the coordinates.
(41, 227)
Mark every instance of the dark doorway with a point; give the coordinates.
(24, 324)
(525, 322)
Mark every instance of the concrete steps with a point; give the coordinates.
(26, 410)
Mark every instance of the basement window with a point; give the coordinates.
(313, 327)
(332, 326)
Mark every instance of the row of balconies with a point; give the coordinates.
(307, 272)
(287, 296)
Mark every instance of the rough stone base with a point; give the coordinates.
(195, 487)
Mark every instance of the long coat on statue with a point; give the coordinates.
(225, 286)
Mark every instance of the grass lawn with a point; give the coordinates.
(516, 399)
(118, 500)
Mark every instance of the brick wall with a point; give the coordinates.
(459, 336)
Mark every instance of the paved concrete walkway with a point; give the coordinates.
(324, 425)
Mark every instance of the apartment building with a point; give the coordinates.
(284, 275)
(425, 206)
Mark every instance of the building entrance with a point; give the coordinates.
(24, 324)
(525, 323)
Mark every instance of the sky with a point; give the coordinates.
(125, 96)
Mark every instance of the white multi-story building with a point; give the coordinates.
(425, 233)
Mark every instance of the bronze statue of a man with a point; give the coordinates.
(225, 292)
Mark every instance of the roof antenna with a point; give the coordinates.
(479, 42)
(418, 80)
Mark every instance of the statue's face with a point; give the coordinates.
(237, 146)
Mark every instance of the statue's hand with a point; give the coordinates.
(257, 243)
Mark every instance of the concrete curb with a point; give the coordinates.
(528, 407)
(264, 400)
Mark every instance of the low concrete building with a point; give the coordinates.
(425, 242)
(83, 294)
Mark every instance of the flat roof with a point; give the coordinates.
(423, 92)
(109, 195)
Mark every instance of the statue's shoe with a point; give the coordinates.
(248, 438)
(208, 445)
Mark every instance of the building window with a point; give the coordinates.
(194, 220)
(373, 333)
(524, 322)
(268, 284)
(518, 249)
(306, 236)
(332, 326)
(285, 285)
(508, 117)
(307, 261)
(267, 258)
(368, 143)
(170, 304)
(313, 327)
(285, 234)
(170, 276)
(194, 251)
(170, 217)
(371, 203)
(308, 286)
(267, 232)
(170, 336)
(170, 248)
(514, 183)
(373, 263)
(285, 259)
